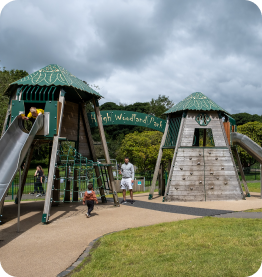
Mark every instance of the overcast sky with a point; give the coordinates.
(135, 50)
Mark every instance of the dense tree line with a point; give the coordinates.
(120, 137)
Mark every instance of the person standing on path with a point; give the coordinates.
(128, 176)
(39, 174)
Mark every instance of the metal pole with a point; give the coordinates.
(13, 190)
(19, 200)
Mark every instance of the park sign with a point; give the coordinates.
(118, 117)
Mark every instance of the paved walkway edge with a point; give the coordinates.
(85, 254)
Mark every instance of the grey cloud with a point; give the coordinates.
(136, 50)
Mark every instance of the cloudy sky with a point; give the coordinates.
(135, 50)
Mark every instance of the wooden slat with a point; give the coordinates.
(189, 168)
(172, 198)
(228, 178)
(187, 173)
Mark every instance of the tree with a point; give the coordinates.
(254, 131)
(160, 105)
(142, 149)
(6, 78)
(243, 118)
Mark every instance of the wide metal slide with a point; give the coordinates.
(252, 148)
(14, 145)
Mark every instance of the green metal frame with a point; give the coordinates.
(172, 133)
(36, 93)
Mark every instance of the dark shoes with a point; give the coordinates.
(123, 202)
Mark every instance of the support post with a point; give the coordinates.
(56, 189)
(93, 153)
(25, 172)
(67, 186)
(103, 139)
(51, 171)
(19, 201)
(174, 156)
(161, 181)
(75, 187)
(241, 171)
(160, 153)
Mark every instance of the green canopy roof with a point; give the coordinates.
(54, 75)
(197, 101)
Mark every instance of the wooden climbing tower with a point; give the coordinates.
(203, 167)
(63, 97)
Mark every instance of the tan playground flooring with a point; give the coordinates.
(46, 250)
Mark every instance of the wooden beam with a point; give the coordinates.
(107, 158)
(158, 161)
(241, 171)
(92, 151)
(178, 143)
(51, 172)
(161, 180)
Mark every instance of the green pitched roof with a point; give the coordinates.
(54, 75)
(196, 101)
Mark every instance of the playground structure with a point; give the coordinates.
(203, 136)
(62, 96)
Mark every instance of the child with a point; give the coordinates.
(89, 199)
(33, 114)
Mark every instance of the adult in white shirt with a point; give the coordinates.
(128, 176)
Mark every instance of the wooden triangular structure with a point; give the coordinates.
(203, 167)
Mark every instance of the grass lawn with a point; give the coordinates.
(201, 247)
(253, 187)
(254, 211)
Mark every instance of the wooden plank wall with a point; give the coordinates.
(70, 128)
(187, 180)
(221, 182)
(191, 124)
(203, 174)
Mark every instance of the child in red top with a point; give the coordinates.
(89, 199)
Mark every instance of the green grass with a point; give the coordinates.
(254, 211)
(201, 247)
(253, 187)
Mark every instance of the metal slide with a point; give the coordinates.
(14, 145)
(248, 145)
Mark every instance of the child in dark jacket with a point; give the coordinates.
(89, 199)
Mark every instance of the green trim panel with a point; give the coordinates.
(51, 107)
(17, 106)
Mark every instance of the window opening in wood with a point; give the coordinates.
(203, 137)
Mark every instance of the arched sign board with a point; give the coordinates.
(128, 118)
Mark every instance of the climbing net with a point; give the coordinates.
(73, 174)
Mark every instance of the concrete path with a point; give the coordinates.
(241, 215)
(47, 250)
